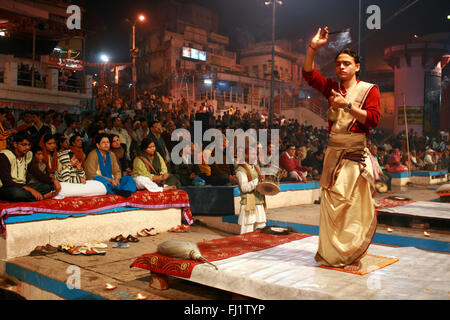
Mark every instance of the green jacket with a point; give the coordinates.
(259, 198)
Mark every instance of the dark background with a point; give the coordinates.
(251, 20)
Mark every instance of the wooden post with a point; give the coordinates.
(407, 135)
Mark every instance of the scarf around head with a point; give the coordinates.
(105, 164)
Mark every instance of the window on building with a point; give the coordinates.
(255, 70)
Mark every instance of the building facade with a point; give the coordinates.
(41, 64)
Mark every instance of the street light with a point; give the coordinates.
(104, 58)
(274, 4)
(133, 50)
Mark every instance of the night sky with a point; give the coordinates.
(297, 19)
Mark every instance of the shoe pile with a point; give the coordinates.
(88, 249)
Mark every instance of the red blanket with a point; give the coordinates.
(214, 250)
(73, 205)
(391, 203)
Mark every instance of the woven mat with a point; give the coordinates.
(369, 263)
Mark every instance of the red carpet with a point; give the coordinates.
(214, 250)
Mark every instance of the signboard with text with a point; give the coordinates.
(414, 115)
(192, 53)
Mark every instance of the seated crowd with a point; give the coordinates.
(118, 150)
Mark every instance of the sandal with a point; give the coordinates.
(91, 251)
(38, 251)
(119, 238)
(50, 249)
(121, 245)
(96, 244)
(147, 232)
(130, 238)
(74, 251)
(65, 247)
(43, 250)
(181, 228)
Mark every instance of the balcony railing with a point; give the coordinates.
(69, 85)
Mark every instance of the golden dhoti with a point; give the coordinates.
(347, 212)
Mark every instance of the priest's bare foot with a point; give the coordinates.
(355, 266)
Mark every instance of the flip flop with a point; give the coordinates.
(91, 251)
(152, 231)
(65, 247)
(130, 238)
(121, 245)
(96, 244)
(181, 228)
(119, 238)
(143, 233)
(147, 232)
(74, 250)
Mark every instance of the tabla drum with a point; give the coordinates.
(268, 188)
(270, 185)
(381, 187)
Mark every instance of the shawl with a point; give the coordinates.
(105, 165)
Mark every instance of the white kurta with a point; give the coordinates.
(250, 222)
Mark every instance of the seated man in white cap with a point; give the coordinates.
(428, 161)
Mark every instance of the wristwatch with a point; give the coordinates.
(347, 108)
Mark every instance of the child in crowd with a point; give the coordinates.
(73, 178)
(69, 168)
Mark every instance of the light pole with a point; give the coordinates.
(133, 54)
(274, 5)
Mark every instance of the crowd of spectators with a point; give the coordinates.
(131, 132)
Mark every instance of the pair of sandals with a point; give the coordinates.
(44, 250)
(122, 241)
(87, 249)
(181, 228)
(147, 232)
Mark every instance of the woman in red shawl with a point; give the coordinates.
(394, 164)
(76, 145)
(48, 145)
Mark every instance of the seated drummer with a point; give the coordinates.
(15, 165)
(102, 165)
(150, 170)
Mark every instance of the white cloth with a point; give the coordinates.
(147, 183)
(296, 176)
(289, 272)
(250, 222)
(90, 188)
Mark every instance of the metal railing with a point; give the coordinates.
(24, 79)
